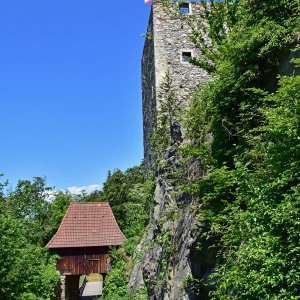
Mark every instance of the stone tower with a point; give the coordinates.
(168, 49)
(168, 255)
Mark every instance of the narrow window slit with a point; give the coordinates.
(184, 8)
(186, 56)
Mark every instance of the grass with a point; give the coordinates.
(91, 278)
(94, 277)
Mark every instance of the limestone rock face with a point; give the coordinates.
(168, 256)
(166, 259)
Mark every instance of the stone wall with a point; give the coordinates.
(69, 287)
(168, 35)
(148, 92)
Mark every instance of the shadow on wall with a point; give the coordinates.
(203, 259)
(285, 67)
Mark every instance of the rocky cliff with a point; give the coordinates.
(167, 258)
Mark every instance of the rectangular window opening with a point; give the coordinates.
(186, 56)
(184, 8)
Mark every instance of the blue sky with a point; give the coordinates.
(70, 89)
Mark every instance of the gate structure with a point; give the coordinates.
(82, 242)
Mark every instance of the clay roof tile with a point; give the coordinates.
(87, 225)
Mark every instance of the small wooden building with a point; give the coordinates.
(83, 239)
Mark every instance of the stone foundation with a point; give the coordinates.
(69, 287)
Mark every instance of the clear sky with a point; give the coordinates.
(70, 89)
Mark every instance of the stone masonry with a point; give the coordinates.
(69, 287)
(168, 36)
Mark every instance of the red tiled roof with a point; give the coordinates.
(87, 225)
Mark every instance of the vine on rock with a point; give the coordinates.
(244, 129)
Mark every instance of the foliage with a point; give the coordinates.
(56, 212)
(262, 237)
(28, 203)
(115, 288)
(116, 283)
(29, 216)
(26, 269)
(167, 119)
(130, 195)
(244, 129)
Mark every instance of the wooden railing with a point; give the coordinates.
(82, 286)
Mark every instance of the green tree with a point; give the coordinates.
(131, 196)
(264, 220)
(28, 202)
(26, 269)
(56, 211)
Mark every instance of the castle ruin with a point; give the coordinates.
(168, 50)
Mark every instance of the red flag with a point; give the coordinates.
(147, 1)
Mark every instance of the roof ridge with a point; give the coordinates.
(106, 202)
